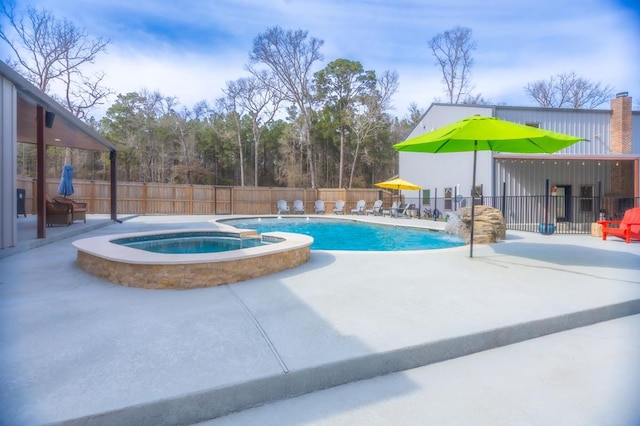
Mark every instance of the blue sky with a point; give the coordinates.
(190, 48)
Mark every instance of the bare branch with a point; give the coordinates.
(48, 50)
(568, 90)
(452, 51)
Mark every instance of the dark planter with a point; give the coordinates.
(546, 228)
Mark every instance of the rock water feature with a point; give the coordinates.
(489, 224)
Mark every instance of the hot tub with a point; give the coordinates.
(132, 267)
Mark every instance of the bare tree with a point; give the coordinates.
(290, 56)
(452, 50)
(49, 50)
(369, 119)
(414, 115)
(232, 105)
(568, 90)
(260, 98)
(182, 125)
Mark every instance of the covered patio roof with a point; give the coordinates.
(42, 121)
(67, 130)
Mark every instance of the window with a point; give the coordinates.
(586, 198)
(448, 197)
(533, 124)
(426, 197)
(477, 193)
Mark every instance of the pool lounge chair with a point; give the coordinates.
(282, 207)
(391, 211)
(376, 210)
(339, 207)
(628, 228)
(401, 211)
(298, 207)
(318, 207)
(360, 207)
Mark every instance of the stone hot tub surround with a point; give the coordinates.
(138, 268)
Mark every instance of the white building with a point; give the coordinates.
(604, 165)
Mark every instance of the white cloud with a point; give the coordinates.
(190, 49)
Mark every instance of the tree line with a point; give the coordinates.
(282, 124)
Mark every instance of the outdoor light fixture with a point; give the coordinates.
(48, 119)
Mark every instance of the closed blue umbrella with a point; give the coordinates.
(66, 182)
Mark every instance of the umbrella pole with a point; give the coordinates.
(473, 197)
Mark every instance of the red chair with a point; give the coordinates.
(628, 228)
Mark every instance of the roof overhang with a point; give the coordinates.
(66, 130)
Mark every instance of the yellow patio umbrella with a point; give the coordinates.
(398, 184)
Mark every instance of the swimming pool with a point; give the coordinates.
(351, 235)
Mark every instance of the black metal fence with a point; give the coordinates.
(567, 215)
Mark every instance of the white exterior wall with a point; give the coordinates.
(448, 170)
(8, 164)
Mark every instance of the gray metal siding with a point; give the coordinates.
(439, 115)
(527, 177)
(593, 125)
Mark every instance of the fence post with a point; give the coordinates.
(598, 203)
(191, 200)
(34, 193)
(92, 197)
(144, 198)
(504, 198)
(546, 204)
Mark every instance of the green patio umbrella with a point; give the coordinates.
(479, 133)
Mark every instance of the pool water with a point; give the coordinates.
(348, 235)
(189, 243)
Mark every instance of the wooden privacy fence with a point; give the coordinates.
(167, 199)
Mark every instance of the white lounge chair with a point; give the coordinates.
(401, 211)
(360, 207)
(339, 208)
(376, 210)
(282, 207)
(319, 207)
(392, 210)
(298, 207)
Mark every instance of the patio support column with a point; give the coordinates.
(113, 160)
(41, 168)
(473, 197)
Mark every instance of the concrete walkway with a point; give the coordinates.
(488, 340)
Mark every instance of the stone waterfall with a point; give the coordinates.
(489, 224)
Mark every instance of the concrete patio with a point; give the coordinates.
(532, 330)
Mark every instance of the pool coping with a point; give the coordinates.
(131, 267)
(104, 248)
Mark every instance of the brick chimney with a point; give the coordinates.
(621, 124)
(620, 143)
